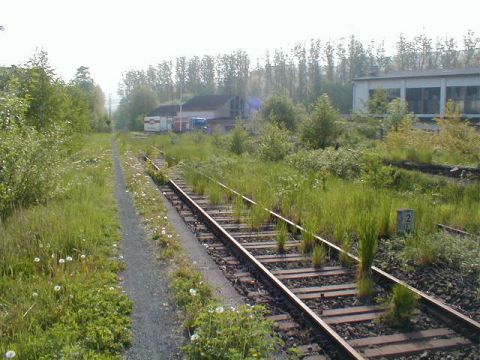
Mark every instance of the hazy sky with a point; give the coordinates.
(111, 37)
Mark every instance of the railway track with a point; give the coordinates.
(324, 299)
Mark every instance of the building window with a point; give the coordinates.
(467, 98)
(423, 100)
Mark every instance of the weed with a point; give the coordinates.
(365, 286)
(367, 245)
(319, 255)
(347, 248)
(214, 193)
(402, 305)
(257, 216)
(239, 209)
(282, 236)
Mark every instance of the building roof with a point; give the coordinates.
(423, 73)
(165, 110)
(206, 102)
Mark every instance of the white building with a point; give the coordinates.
(160, 119)
(426, 92)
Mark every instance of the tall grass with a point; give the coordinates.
(282, 236)
(367, 244)
(58, 263)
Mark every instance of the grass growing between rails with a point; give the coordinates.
(214, 331)
(59, 290)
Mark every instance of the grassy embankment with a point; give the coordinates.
(215, 331)
(59, 290)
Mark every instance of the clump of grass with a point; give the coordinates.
(200, 185)
(347, 248)
(319, 255)
(159, 176)
(402, 305)
(308, 242)
(257, 216)
(365, 286)
(215, 194)
(367, 244)
(282, 236)
(239, 208)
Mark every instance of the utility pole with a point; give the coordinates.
(110, 106)
(181, 115)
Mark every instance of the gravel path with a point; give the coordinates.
(155, 326)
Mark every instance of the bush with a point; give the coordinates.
(274, 144)
(321, 129)
(280, 110)
(238, 141)
(344, 163)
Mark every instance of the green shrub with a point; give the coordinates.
(402, 305)
(274, 143)
(238, 141)
(159, 176)
(344, 163)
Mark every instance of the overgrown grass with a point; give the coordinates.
(282, 236)
(319, 255)
(59, 293)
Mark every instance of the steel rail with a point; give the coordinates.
(467, 326)
(309, 315)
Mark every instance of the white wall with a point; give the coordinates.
(157, 123)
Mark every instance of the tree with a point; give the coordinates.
(320, 129)
(279, 109)
(396, 114)
(378, 102)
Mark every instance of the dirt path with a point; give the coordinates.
(155, 327)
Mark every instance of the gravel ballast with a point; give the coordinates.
(156, 330)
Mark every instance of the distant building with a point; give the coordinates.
(161, 118)
(212, 113)
(426, 92)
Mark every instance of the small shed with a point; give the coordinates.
(161, 119)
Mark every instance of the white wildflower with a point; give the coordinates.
(69, 258)
(219, 310)
(193, 292)
(37, 259)
(111, 288)
(115, 245)
(165, 217)
(82, 256)
(10, 354)
(194, 337)
(61, 261)
(163, 232)
(57, 288)
(169, 236)
(120, 257)
(35, 294)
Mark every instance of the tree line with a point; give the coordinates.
(305, 72)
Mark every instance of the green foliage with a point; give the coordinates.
(397, 114)
(280, 110)
(367, 243)
(378, 102)
(238, 141)
(442, 248)
(403, 303)
(274, 143)
(365, 286)
(344, 163)
(257, 216)
(375, 173)
(282, 236)
(133, 108)
(231, 334)
(458, 136)
(239, 209)
(321, 129)
(319, 255)
(215, 193)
